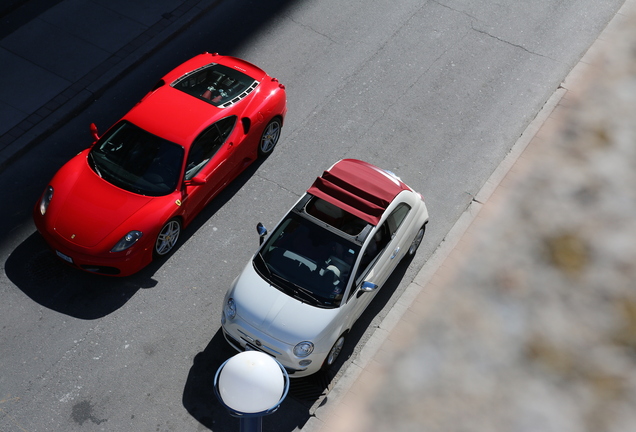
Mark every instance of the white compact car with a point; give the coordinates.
(322, 265)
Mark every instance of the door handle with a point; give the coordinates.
(395, 252)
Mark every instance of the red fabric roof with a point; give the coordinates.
(359, 188)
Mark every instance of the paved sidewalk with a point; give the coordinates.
(344, 410)
(59, 61)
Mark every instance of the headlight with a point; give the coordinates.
(230, 309)
(303, 349)
(46, 199)
(127, 241)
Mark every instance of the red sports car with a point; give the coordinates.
(124, 201)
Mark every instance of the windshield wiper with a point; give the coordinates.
(297, 289)
(262, 267)
(308, 293)
(282, 283)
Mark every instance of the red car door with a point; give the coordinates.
(208, 166)
(236, 152)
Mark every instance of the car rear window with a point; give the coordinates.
(216, 84)
(335, 216)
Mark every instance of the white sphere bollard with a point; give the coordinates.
(251, 382)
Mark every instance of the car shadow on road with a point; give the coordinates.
(362, 329)
(34, 269)
(201, 402)
(219, 201)
(305, 394)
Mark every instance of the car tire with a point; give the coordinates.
(269, 137)
(415, 244)
(334, 352)
(167, 238)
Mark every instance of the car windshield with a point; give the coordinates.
(216, 84)
(309, 261)
(137, 161)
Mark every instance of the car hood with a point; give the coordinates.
(89, 208)
(275, 313)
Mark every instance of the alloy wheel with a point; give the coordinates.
(167, 238)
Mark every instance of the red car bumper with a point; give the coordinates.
(111, 264)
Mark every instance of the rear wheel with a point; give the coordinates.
(270, 137)
(167, 238)
(417, 241)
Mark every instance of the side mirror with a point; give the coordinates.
(262, 232)
(196, 181)
(94, 131)
(368, 286)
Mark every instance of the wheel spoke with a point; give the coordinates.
(270, 137)
(167, 238)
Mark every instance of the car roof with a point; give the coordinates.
(358, 187)
(177, 116)
(173, 115)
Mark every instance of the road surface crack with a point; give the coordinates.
(510, 43)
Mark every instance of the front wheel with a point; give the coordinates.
(334, 353)
(269, 138)
(167, 238)
(417, 241)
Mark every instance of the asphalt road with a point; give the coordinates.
(436, 91)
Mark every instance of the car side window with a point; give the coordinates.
(380, 240)
(207, 144)
(396, 218)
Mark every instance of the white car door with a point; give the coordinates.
(379, 259)
(391, 245)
